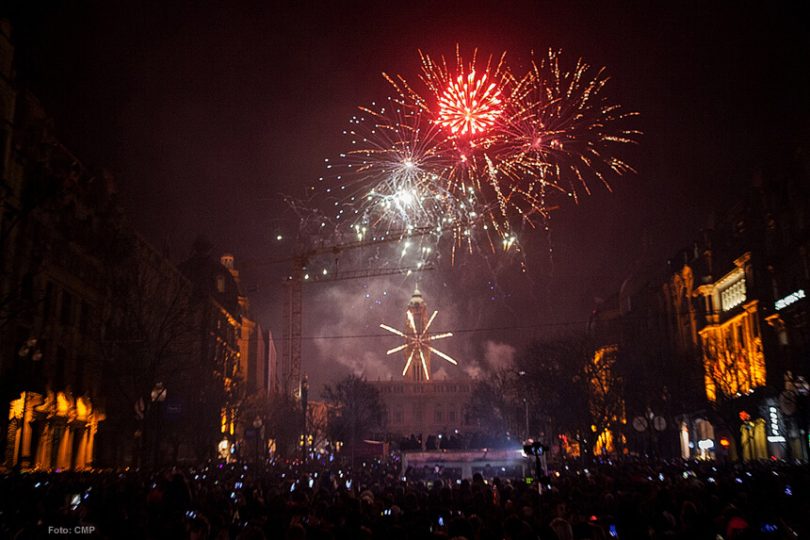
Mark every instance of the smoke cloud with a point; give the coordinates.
(499, 356)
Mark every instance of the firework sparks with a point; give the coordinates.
(563, 131)
(478, 152)
(469, 106)
(392, 173)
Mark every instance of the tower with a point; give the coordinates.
(417, 356)
(417, 346)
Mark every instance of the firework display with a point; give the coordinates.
(417, 344)
(476, 152)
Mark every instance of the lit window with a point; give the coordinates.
(733, 295)
(221, 283)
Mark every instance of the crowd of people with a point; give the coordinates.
(378, 500)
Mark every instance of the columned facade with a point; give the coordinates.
(54, 431)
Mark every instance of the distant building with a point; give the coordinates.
(272, 381)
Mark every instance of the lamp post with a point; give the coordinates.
(304, 401)
(158, 396)
(28, 350)
(526, 406)
(525, 410)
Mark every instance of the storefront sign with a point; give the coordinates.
(789, 299)
(775, 434)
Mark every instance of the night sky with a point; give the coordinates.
(207, 111)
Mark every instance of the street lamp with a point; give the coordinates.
(158, 396)
(257, 426)
(526, 409)
(29, 349)
(304, 401)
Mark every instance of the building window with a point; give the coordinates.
(438, 415)
(398, 416)
(220, 283)
(451, 416)
(733, 295)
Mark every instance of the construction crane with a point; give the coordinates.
(293, 308)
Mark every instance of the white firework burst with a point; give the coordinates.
(417, 343)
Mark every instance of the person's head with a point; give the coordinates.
(562, 529)
(689, 513)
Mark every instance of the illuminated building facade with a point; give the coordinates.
(256, 348)
(229, 337)
(731, 338)
(747, 278)
(242, 352)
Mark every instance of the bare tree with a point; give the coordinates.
(495, 406)
(356, 410)
(550, 376)
(280, 415)
(605, 395)
(150, 334)
(317, 424)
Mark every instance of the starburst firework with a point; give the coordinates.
(469, 105)
(396, 165)
(418, 343)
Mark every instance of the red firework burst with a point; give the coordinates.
(469, 106)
